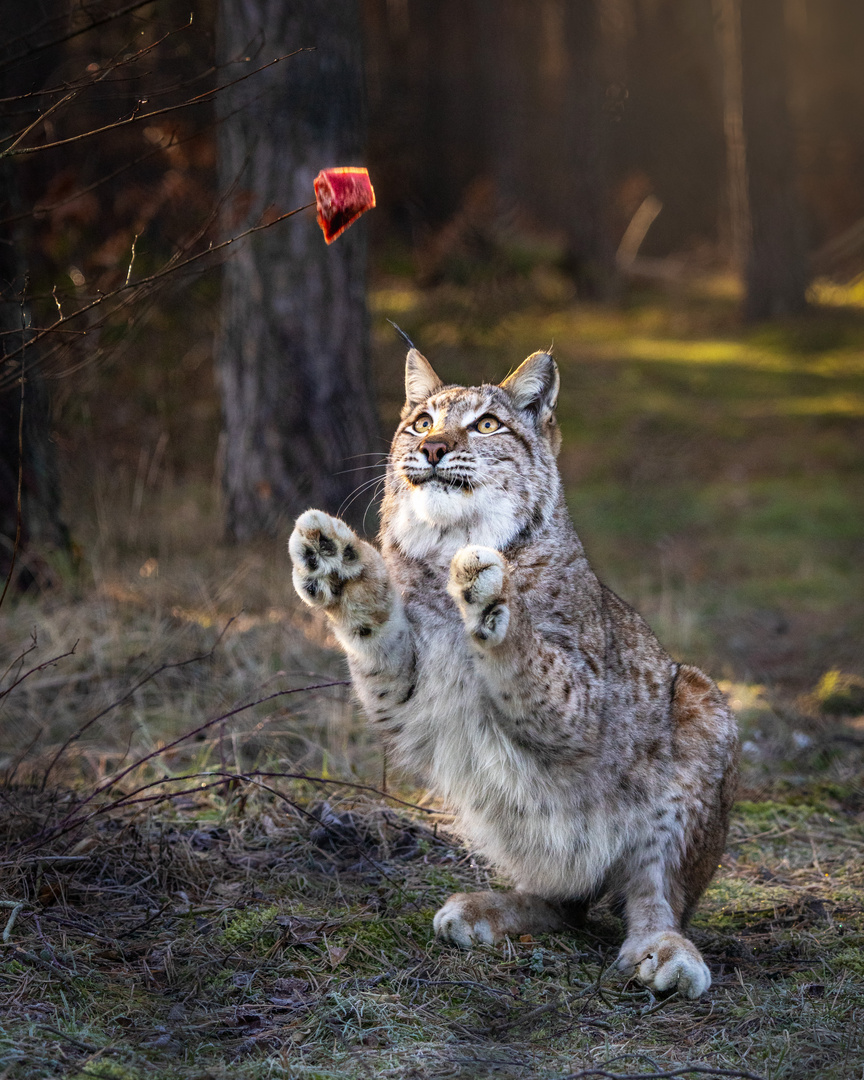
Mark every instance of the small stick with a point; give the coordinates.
(13, 915)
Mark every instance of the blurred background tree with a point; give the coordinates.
(293, 355)
(502, 138)
(30, 516)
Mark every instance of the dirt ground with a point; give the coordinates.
(208, 870)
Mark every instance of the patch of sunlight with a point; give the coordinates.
(723, 285)
(706, 351)
(394, 300)
(609, 336)
(815, 405)
(830, 294)
(237, 624)
(744, 697)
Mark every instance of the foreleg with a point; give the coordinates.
(346, 578)
(531, 680)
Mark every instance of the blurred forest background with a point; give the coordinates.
(670, 192)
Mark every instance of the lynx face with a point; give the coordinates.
(473, 465)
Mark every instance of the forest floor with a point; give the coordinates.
(202, 873)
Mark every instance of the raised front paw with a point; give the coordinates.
(665, 960)
(479, 584)
(326, 555)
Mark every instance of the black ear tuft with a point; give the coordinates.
(534, 385)
(402, 334)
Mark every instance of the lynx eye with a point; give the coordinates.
(422, 424)
(487, 424)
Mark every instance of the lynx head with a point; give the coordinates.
(472, 464)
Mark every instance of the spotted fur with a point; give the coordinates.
(578, 757)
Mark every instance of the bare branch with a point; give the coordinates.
(75, 819)
(99, 76)
(39, 667)
(146, 282)
(669, 1074)
(137, 117)
(76, 735)
(31, 50)
(18, 509)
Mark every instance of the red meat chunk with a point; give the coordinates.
(342, 195)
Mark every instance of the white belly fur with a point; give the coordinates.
(506, 808)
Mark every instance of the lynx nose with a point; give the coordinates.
(434, 451)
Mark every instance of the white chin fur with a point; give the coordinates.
(440, 506)
(434, 518)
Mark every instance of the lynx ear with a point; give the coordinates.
(534, 384)
(421, 382)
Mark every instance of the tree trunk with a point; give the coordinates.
(728, 23)
(776, 276)
(548, 125)
(580, 201)
(767, 226)
(298, 404)
(27, 455)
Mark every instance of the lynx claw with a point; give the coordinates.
(325, 554)
(478, 584)
(666, 961)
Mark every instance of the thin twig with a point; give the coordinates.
(137, 117)
(39, 667)
(68, 1038)
(143, 283)
(129, 693)
(31, 50)
(16, 906)
(131, 261)
(668, 1074)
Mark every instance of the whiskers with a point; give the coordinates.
(375, 484)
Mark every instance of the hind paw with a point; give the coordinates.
(665, 961)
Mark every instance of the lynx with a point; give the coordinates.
(577, 756)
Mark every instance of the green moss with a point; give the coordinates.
(731, 901)
(253, 926)
(106, 1069)
(848, 959)
(761, 815)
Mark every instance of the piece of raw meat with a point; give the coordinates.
(342, 195)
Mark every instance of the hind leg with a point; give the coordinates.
(665, 877)
(656, 951)
(660, 894)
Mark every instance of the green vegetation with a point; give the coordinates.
(271, 925)
(221, 968)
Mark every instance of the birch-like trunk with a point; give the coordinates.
(292, 357)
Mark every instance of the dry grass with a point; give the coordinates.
(204, 887)
(185, 904)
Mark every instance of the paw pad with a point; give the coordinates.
(324, 552)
